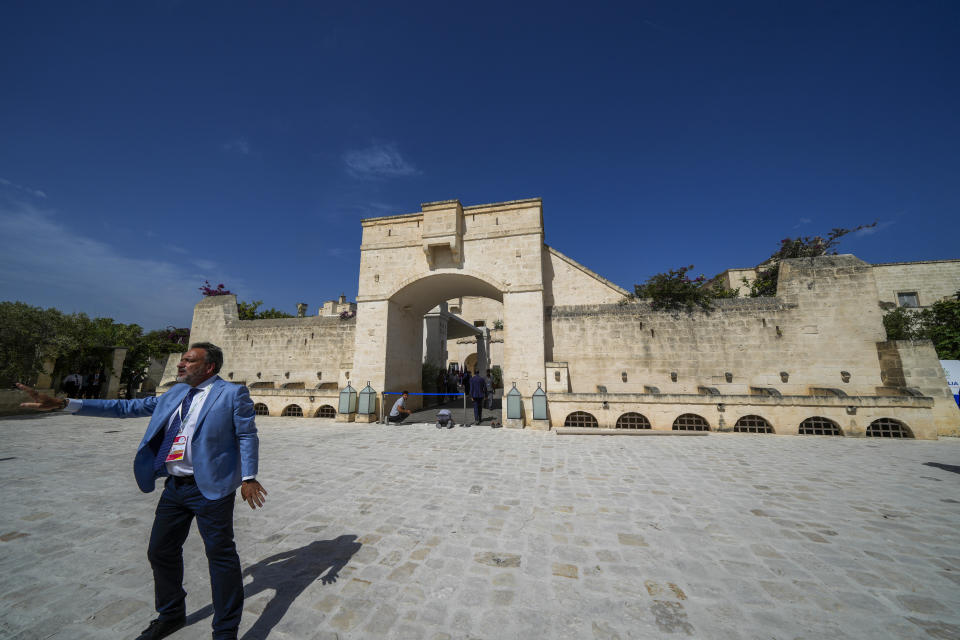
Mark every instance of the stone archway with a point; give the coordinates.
(411, 263)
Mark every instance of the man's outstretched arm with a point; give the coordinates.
(138, 408)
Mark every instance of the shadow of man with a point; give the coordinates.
(946, 467)
(288, 573)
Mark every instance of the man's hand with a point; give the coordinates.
(331, 577)
(253, 492)
(41, 401)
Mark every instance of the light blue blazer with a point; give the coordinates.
(225, 446)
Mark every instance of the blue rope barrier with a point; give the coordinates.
(400, 393)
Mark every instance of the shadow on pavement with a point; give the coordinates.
(946, 467)
(287, 574)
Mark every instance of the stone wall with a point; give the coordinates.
(931, 280)
(818, 337)
(913, 364)
(813, 334)
(282, 353)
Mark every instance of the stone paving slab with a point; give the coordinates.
(375, 531)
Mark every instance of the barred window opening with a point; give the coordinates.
(819, 426)
(261, 409)
(752, 424)
(293, 411)
(326, 411)
(633, 420)
(888, 428)
(581, 419)
(690, 422)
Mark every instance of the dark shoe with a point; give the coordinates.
(162, 628)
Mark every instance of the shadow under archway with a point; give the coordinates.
(288, 574)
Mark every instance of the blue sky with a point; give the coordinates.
(148, 146)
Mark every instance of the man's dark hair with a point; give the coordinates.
(213, 353)
(405, 392)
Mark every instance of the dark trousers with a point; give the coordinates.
(477, 409)
(177, 507)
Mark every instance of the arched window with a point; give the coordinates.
(819, 426)
(633, 420)
(752, 424)
(293, 411)
(261, 409)
(581, 419)
(690, 422)
(326, 411)
(888, 428)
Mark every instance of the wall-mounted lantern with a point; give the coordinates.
(368, 401)
(348, 400)
(539, 404)
(514, 404)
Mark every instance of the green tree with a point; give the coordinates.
(30, 334)
(676, 291)
(248, 311)
(802, 247)
(900, 324)
(939, 323)
(76, 342)
(144, 348)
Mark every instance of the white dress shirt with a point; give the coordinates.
(188, 424)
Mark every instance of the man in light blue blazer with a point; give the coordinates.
(203, 440)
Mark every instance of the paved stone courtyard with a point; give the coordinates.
(410, 532)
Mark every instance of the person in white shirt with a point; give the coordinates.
(400, 411)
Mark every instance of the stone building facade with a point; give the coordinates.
(814, 359)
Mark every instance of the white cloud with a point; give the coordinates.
(869, 231)
(238, 145)
(802, 222)
(37, 193)
(205, 265)
(379, 160)
(43, 263)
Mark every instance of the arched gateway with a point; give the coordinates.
(411, 263)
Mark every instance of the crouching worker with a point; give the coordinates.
(400, 412)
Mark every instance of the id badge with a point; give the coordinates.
(177, 449)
